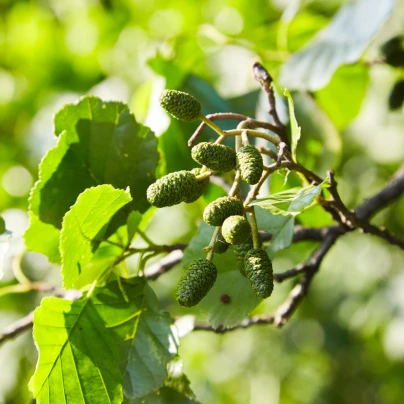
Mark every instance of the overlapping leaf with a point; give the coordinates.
(144, 335)
(85, 346)
(84, 226)
(99, 143)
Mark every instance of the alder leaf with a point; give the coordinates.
(295, 129)
(280, 227)
(230, 300)
(292, 201)
(83, 228)
(99, 143)
(78, 361)
(342, 42)
(146, 339)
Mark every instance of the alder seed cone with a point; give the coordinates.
(258, 269)
(220, 209)
(196, 282)
(240, 251)
(202, 186)
(221, 245)
(250, 164)
(236, 230)
(215, 156)
(180, 105)
(174, 188)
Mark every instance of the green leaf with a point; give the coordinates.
(230, 300)
(342, 42)
(43, 238)
(84, 226)
(295, 129)
(133, 222)
(320, 147)
(281, 228)
(99, 143)
(333, 98)
(176, 389)
(195, 250)
(146, 341)
(292, 201)
(78, 360)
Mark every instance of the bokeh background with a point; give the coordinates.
(346, 342)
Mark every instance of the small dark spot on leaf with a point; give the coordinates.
(225, 299)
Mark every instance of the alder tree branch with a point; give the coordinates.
(347, 220)
(265, 80)
(17, 327)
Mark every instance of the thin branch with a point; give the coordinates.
(284, 311)
(314, 262)
(265, 80)
(164, 265)
(17, 327)
(388, 195)
(246, 323)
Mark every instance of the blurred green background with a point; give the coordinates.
(346, 342)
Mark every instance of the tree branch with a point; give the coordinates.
(17, 327)
(265, 80)
(388, 195)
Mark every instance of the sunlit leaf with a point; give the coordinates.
(99, 143)
(83, 228)
(78, 360)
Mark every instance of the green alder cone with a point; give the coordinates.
(174, 188)
(236, 230)
(240, 251)
(215, 156)
(221, 245)
(196, 282)
(202, 186)
(180, 105)
(258, 269)
(250, 164)
(220, 209)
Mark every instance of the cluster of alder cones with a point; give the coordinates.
(226, 213)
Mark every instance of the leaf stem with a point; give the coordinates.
(146, 238)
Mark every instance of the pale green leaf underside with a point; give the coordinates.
(292, 201)
(343, 41)
(83, 227)
(280, 227)
(295, 129)
(78, 361)
(242, 300)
